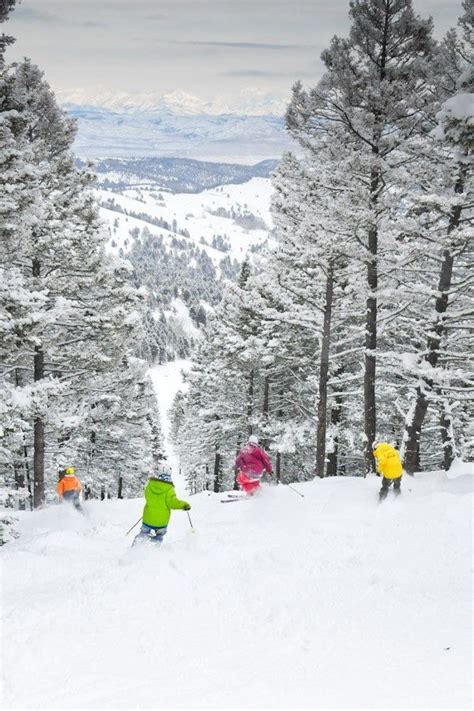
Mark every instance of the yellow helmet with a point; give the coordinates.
(69, 470)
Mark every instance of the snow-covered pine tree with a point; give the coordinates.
(312, 260)
(82, 315)
(439, 229)
(255, 396)
(6, 6)
(17, 307)
(265, 335)
(17, 312)
(375, 81)
(121, 441)
(196, 433)
(177, 415)
(218, 413)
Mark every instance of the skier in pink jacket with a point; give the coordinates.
(252, 461)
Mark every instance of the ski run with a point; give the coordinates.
(169, 332)
(328, 601)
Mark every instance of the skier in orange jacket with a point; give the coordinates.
(69, 487)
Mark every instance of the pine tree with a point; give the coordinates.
(314, 219)
(6, 6)
(375, 81)
(443, 238)
(73, 316)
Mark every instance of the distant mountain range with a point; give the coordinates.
(159, 130)
(176, 175)
(247, 102)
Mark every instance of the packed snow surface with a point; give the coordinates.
(330, 600)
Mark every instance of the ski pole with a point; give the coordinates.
(190, 522)
(135, 524)
(295, 490)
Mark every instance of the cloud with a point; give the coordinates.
(239, 45)
(156, 16)
(31, 15)
(250, 73)
(263, 73)
(93, 23)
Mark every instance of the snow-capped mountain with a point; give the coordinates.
(179, 125)
(248, 102)
(239, 139)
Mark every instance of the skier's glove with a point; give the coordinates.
(186, 507)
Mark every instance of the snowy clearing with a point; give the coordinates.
(328, 601)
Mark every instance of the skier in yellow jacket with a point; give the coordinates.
(389, 466)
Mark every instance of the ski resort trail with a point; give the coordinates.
(167, 379)
(326, 601)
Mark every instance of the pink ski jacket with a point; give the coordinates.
(252, 460)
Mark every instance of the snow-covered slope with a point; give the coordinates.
(186, 245)
(167, 380)
(325, 601)
(220, 211)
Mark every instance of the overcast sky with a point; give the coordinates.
(204, 47)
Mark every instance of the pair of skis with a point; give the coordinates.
(231, 498)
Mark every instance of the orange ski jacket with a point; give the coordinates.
(69, 482)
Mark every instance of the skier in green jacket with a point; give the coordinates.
(160, 497)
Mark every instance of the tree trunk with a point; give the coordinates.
(266, 401)
(91, 449)
(250, 401)
(26, 466)
(447, 437)
(236, 471)
(370, 412)
(19, 482)
(38, 437)
(335, 421)
(323, 375)
(370, 419)
(217, 472)
(38, 426)
(413, 429)
(120, 487)
(27, 474)
(424, 390)
(278, 456)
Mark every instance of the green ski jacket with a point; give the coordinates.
(160, 497)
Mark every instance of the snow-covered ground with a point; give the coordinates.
(194, 212)
(167, 380)
(331, 601)
(179, 313)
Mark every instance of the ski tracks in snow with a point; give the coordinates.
(317, 590)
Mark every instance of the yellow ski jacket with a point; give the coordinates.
(388, 461)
